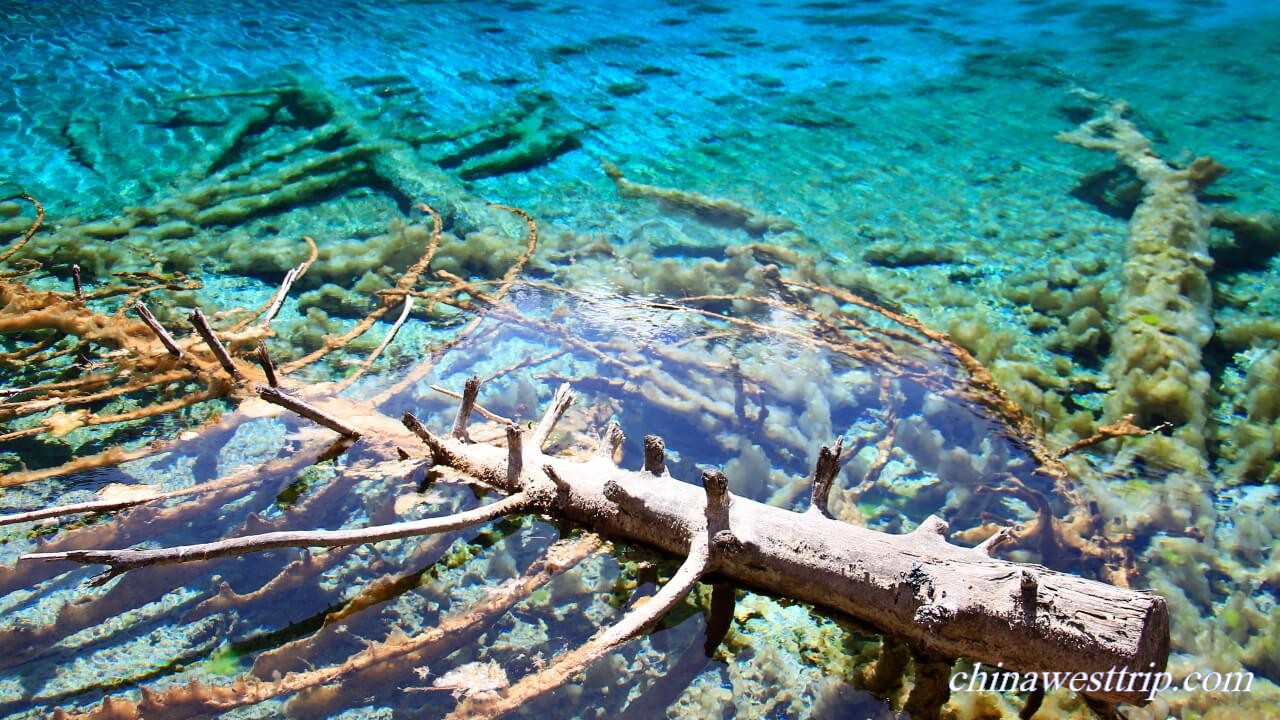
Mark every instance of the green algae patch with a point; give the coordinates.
(225, 661)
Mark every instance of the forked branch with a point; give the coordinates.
(635, 622)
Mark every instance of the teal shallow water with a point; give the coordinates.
(911, 146)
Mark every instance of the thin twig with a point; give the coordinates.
(373, 356)
(478, 407)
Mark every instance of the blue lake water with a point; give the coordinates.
(734, 201)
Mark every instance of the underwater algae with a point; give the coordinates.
(531, 495)
(876, 351)
(673, 318)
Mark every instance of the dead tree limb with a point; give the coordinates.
(559, 403)
(123, 560)
(386, 340)
(943, 599)
(96, 506)
(219, 350)
(161, 334)
(636, 621)
(276, 396)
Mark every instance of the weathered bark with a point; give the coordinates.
(275, 396)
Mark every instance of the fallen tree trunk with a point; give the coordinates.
(943, 600)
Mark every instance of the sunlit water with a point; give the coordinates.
(912, 146)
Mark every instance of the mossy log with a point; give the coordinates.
(1165, 313)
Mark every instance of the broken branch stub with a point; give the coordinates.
(268, 366)
(824, 474)
(559, 403)
(469, 391)
(655, 455)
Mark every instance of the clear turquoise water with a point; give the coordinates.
(911, 144)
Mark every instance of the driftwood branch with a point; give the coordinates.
(276, 396)
(161, 334)
(282, 292)
(96, 506)
(559, 403)
(382, 346)
(122, 560)
(942, 599)
(202, 327)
